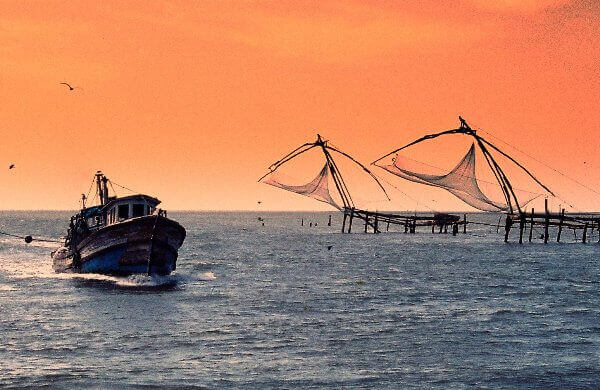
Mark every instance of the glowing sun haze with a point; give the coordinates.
(192, 101)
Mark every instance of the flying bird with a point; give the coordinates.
(68, 85)
(11, 166)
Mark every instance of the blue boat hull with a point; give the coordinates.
(109, 263)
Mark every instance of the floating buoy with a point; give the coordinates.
(28, 239)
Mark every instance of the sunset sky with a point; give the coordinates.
(192, 101)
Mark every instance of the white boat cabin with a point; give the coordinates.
(134, 206)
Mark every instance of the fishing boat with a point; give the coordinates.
(120, 236)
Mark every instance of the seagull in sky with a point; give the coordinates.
(11, 166)
(68, 85)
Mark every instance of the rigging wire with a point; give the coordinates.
(123, 187)
(544, 164)
(28, 238)
(91, 185)
(113, 188)
(405, 194)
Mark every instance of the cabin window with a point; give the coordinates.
(123, 211)
(138, 210)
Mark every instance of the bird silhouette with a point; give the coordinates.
(11, 166)
(68, 85)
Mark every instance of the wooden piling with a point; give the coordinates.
(366, 221)
(507, 226)
(531, 225)
(302, 222)
(376, 228)
(406, 226)
(350, 221)
(465, 224)
(585, 228)
(432, 227)
(521, 227)
(387, 228)
(560, 224)
(343, 222)
(455, 228)
(329, 223)
(546, 221)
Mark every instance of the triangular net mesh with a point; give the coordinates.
(317, 189)
(460, 181)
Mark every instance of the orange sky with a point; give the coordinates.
(191, 103)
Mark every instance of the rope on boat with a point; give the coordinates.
(122, 186)
(28, 239)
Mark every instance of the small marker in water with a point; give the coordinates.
(28, 239)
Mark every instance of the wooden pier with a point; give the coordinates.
(548, 223)
(373, 221)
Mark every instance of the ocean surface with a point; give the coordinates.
(290, 306)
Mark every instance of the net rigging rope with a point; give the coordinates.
(544, 164)
(28, 237)
(123, 187)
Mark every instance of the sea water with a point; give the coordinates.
(285, 305)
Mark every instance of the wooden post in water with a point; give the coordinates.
(465, 225)
(413, 225)
(521, 226)
(455, 228)
(560, 224)
(329, 223)
(376, 228)
(366, 221)
(406, 226)
(584, 238)
(507, 226)
(531, 226)
(387, 228)
(343, 222)
(432, 227)
(546, 221)
(350, 221)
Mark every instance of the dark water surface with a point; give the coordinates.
(272, 307)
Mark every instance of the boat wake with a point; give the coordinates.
(29, 266)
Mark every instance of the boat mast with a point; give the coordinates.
(102, 188)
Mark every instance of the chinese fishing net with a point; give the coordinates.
(318, 188)
(460, 181)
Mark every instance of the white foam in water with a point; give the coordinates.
(30, 266)
(4, 287)
(207, 276)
